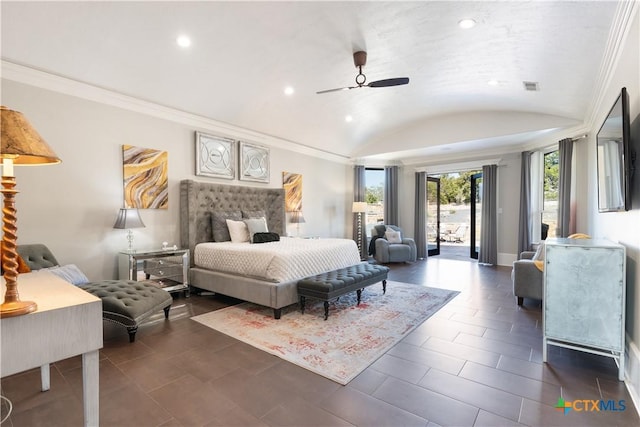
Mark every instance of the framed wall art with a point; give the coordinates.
(215, 156)
(145, 178)
(292, 184)
(254, 162)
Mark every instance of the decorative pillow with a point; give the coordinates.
(71, 273)
(538, 257)
(23, 267)
(579, 236)
(393, 236)
(256, 225)
(380, 229)
(265, 237)
(219, 227)
(253, 214)
(238, 231)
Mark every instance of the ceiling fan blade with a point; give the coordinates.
(390, 82)
(337, 89)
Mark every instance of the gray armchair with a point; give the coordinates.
(527, 278)
(385, 252)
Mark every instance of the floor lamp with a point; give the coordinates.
(359, 208)
(20, 144)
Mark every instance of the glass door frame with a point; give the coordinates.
(473, 251)
(436, 251)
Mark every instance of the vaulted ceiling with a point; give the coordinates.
(244, 54)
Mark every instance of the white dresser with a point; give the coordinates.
(584, 297)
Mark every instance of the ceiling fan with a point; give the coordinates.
(360, 60)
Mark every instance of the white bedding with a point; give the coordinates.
(288, 259)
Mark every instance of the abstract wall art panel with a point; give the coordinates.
(215, 156)
(254, 162)
(145, 178)
(292, 184)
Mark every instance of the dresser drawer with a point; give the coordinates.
(162, 267)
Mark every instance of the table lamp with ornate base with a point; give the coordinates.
(20, 144)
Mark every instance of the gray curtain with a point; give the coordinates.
(564, 187)
(391, 195)
(524, 227)
(359, 193)
(420, 229)
(489, 234)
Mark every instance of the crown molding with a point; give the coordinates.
(625, 12)
(44, 80)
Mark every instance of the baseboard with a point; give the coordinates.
(632, 372)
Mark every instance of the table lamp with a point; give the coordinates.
(20, 144)
(297, 218)
(129, 218)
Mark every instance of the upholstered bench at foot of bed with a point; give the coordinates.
(128, 303)
(336, 283)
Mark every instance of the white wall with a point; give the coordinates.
(71, 207)
(623, 227)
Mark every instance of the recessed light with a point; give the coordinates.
(183, 41)
(348, 119)
(493, 83)
(288, 91)
(466, 23)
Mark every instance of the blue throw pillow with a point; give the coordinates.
(70, 273)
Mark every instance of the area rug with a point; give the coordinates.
(353, 337)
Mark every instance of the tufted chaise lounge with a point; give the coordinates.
(127, 303)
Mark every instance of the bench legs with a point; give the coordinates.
(303, 300)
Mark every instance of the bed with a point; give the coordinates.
(212, 264)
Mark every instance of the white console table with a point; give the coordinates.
(584, 297)
(67, 323)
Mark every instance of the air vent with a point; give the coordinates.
(531, 86)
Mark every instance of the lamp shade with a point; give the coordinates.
(21, 143)
(296, 217)
(359, 207)
(128, 218)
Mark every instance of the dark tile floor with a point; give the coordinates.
(477, 362)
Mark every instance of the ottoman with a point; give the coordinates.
(333, 284)
(129, 303)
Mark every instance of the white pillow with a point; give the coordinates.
(393, 236)
(70, 273)
(238, 231)
(256, 225)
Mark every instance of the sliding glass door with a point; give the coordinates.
(433, 216)
(476, 214)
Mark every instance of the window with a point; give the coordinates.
(374, 196)
(551, 179)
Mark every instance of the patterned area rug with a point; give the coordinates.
(344, 345)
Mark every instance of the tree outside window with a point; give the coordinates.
(374, 196)
(550, 193)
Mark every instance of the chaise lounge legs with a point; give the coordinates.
(519, 300)
(133, 329)
(132, 333)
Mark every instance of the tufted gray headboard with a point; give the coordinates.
(199, 199)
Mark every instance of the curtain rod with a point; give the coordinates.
(577, 138)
